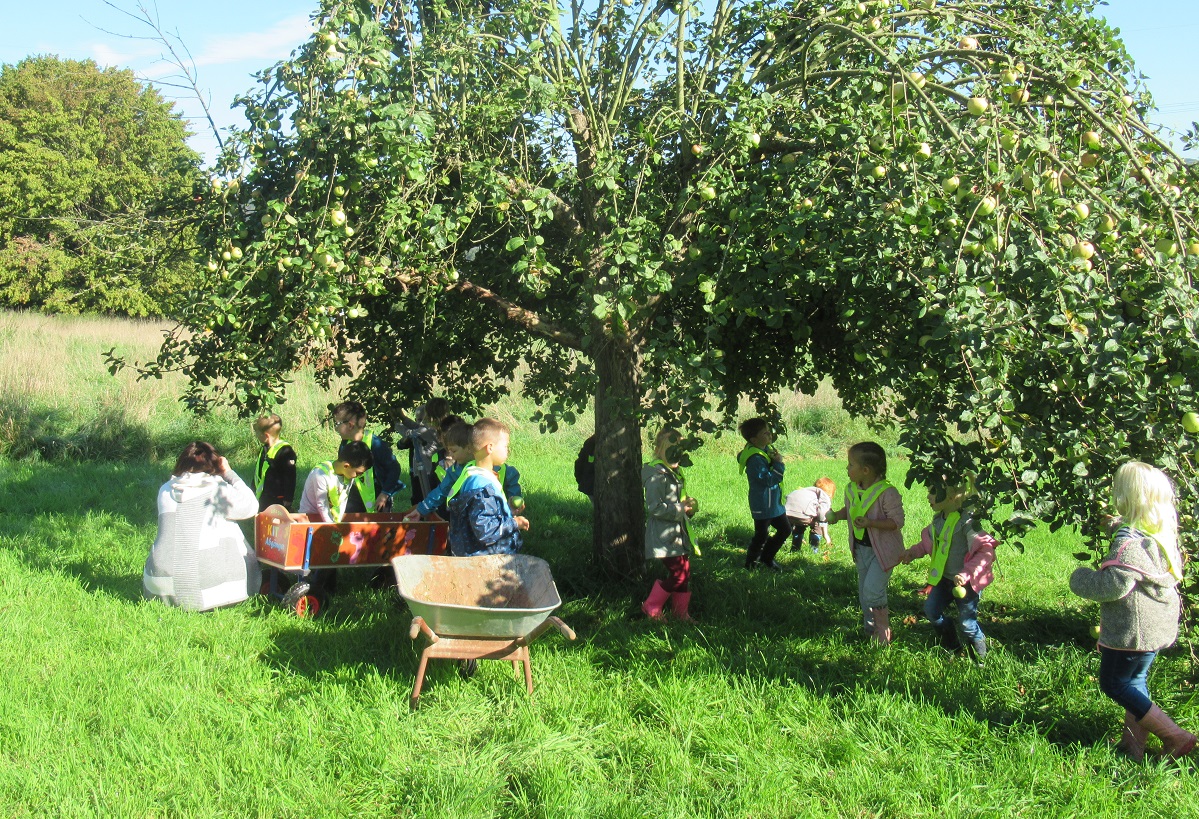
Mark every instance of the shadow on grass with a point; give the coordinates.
(95, 522)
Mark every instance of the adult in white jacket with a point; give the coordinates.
(200, 559)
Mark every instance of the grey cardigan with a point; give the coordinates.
(1137, 595)
(665, 521)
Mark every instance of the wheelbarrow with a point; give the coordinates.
(488, 607)
(296, 545)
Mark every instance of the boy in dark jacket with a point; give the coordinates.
(275, 472)
(481, 520)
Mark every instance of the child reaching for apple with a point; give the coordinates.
(1136, 586)
(962, 556)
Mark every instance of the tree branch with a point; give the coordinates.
(520, 315)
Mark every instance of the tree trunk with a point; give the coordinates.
(619, 509)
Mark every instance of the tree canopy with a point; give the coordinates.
(954, 211)
(94, 168)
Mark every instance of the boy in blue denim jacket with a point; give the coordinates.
(763, 466)
(481, 520)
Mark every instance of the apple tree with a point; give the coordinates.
(955, 211)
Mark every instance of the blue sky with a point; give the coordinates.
(229, 39)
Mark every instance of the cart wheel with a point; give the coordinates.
(307, 606)
(298, 590)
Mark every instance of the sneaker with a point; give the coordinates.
(773, 565)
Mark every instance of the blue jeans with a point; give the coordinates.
(941, 596)
(1122, 676)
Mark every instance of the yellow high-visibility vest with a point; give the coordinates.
(264, 462)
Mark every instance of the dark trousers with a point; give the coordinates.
(678, 573)
(1122, 676)
(765, 546)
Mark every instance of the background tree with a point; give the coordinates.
(95, 174)
(955, 211)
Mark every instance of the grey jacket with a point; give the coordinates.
(1137, 595)
(665, 521)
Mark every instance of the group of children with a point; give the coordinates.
(458, 469)
(1136, 585)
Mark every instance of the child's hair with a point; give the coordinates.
(870, 455)
(1144, 497)
(450, 421)
(198, 456)
(436, 409)
(350, 410)
(487, 431)
(356, 454)
(667, 434)
(753, 427)
(266, 422)
(827, 486)
(458, 435)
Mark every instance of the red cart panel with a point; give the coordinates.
(281, 538)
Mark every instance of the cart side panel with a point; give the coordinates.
(359, 540)
(273, 535)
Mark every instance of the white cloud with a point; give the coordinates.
(260, 47)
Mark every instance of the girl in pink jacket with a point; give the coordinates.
(962, 556)
(874, 510)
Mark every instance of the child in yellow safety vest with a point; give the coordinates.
(874, 510)
(962, 556)
(275, 472)
(325, 498)
(381, 481)
(763, 468)
(481, 517)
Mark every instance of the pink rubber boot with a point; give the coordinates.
(679, 601)
(656, 600)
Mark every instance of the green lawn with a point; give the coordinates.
(769, 706)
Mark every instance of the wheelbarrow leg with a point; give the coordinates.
(414, 700)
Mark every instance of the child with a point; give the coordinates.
(326, 498)
(962, 556)
(807, 509)
(421, 437)
(373, 492)
(667, 537)
(1137, 590)
(763, 466)
(481, 521)
(328, 487)
(457, 440)
(275, 473)
(875, 512)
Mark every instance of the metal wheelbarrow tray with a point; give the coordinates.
(473, 608)
(293, 543)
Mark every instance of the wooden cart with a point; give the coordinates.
(293, 544)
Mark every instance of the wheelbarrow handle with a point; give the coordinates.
(419, 626)
(566, 630)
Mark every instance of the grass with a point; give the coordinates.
(770, 706)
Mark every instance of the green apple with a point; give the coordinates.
(707, 193)
(959, 592)
(807, 204)
(212, 265)
(967, 43)
(860, 356)
(1089, 159)
(755, 140)
(1009, 77)
(337, 216)
(878, 171)
(1095, 631)
(950, 184)
(1082, 250)
(917, 79)
(1190, 422)
(697, 149)
(694, 252)
(987, 206)
(790, 159)
(1009, 141)
(923, 151)
(1193, 249)
(977, 106)
(1073, 79)
(1166, 246)
(1092, 140)
(1081, 211)
(1106, 223)
(928, 5)
(1019, 96)
(1176, 380)
(875, 23)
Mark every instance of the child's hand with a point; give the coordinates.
(382, 501)
(412, 517)
(690, 506)
(961, 579)
(861, 523)
(522, 523)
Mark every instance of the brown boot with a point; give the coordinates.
(1176, 742)
(1132, 739)
(882, 625)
